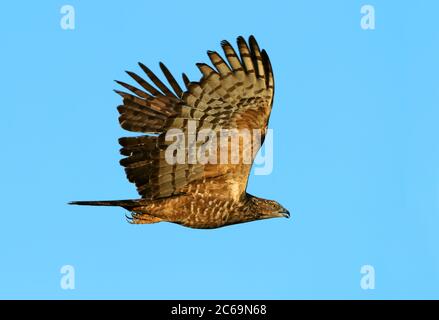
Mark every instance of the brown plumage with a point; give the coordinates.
(236, 94)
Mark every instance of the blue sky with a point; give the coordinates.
(355, 158)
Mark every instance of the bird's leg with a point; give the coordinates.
(142, 218)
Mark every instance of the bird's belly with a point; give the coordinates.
(201, 212)
(207, 213)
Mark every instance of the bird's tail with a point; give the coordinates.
(111, 203)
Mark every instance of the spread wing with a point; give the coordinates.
(237, 93)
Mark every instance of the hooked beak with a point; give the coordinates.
(285, 213)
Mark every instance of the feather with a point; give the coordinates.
(174, 84)
(219, 63)
(156, 80)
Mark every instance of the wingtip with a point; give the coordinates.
(225, 43)
(130, 73)
(164, 68)
(121, 93)
(186, 80)
(240, 39)
(252, 41)
(144, 67)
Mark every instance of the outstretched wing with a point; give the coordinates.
(236, 94)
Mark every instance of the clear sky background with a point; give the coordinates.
(356, 155)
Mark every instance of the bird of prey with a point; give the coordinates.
(236, 93)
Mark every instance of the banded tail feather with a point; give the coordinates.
(108, 203)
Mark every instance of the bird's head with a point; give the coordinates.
(265, 208)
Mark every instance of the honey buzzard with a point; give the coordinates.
(236, 94)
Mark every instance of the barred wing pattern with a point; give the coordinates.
(236, 94)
